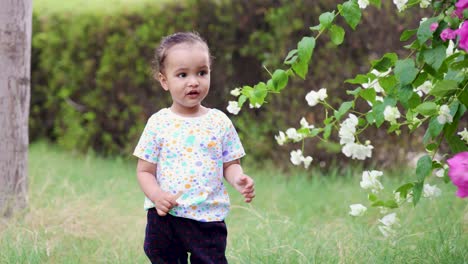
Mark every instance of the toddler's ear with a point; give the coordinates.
(162, 79)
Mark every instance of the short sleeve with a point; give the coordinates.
(232, 146)
(148, 146)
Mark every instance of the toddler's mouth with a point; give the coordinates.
(194, 92)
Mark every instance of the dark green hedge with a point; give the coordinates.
(92, 84)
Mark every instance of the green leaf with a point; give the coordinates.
(431, 146)
(404, 95)
(291, 57)
(344, 107)
(242, 100)
(422, 77)
(280, 80)
(305, 48)
(258, 94)
(359, 79)
(378, 110)
(316, 28)
(387, 61)
(389, 204)
(434, 57)
(328, 120)
(434, 127)
(407, 34)
(354, 92)
(327, 131)
(427, 109)
(405, 71)
(337, 34)
(368, 95)
(389, 84)
(326, 19)
(443, 88)
(372, 197)
(300, 69)
(247, 91)
(370, 117)
(463, 97)
(455, 143)
(404, 189)
(351, 12)
(417, 191)
(424, 31)
(423, 167)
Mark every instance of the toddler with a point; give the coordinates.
(184, 153)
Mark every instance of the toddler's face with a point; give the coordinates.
(186, 76)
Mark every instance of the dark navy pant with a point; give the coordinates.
(168, 239)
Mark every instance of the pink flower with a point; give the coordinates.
(463, 33)
(448, 34)
(434, 26)
(458, 173)
(461, 5)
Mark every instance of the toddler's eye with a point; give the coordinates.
(182, 75)
(202, 73)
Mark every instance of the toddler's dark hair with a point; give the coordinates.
(172, 40)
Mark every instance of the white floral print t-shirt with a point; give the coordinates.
(189, 153)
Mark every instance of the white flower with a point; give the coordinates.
(257, 105)
(424, 88)
(381, 74)
(307, 160)
(431, 191)
(296, 156)
(397, 196)
(314, 97)
(347, 130)
(357, 209)
(235, 92)
(346, 135)
(390, 220)
(391, 114)
(401, 4)
(370, 181)
(441, 172)
(357, 151)
(305, 124)
(363, 3)
(281, 138)
(293, 135)
(233, 107)
(444, 115)
(450, 49)
(422, 20)
(373, 84)
(387, 231)
(464, 135)
(424, 3)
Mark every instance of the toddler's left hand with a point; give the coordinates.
(245, 185)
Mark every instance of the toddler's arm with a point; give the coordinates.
(163, 201)
(241, 182)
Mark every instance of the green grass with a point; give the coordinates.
(85, 209)
(45, 7)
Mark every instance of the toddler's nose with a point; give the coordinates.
(193, 81)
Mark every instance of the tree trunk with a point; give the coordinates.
(15, 63)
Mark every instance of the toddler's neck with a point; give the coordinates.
(192, 112)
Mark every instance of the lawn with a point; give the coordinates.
(45, 7)
(85, 209)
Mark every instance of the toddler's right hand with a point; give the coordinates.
(165, 201)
